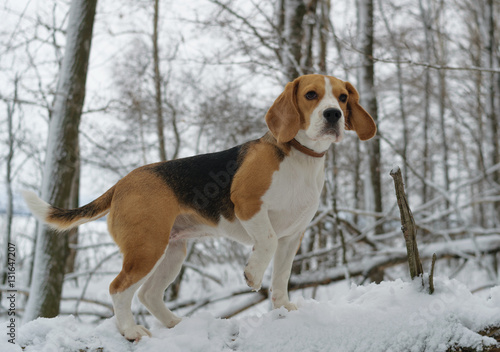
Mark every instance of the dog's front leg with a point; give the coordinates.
(259, 228)
(283, 260)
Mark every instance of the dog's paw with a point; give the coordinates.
(136, 332)
(173, 322)
(251, 279)
(290, 306)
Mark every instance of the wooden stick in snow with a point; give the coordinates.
(407, 225)
(431, 275)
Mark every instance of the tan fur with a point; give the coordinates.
(195, 218)
(284, 118)
(357, 117)
(140, 219)
(254, 178)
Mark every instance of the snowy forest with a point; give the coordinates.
(91, 90)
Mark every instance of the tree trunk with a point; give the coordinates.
(440, 57)
(444, 140)
(357, 189)
(73, 233)
(157, 79)
(310, 20)
(324, 30)
(366, 86)
(476, 56)
(401, 93)
(485, 10)
(61, 161)
(293, 33)
(426, 21)
(280, 20)
(493, 102)
(177, 136)
(8, 181)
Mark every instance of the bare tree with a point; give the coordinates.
(427, 166)
(367, 90)
(73, 233)
(323, 37)
(489, 31)
(396, 44)
(11, 106)
(158, 86)
(440, 55)
(61, 160)
(310, 25)
(295, 11)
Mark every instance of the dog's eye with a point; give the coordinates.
(311, 95)
(343, 98)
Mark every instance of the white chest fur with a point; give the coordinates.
(293, 198)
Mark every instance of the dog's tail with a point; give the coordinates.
(65, 219)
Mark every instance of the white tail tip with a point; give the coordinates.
(38, 207)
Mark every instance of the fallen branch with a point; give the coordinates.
(486, 245)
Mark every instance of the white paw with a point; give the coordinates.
(290, 306)
(135, 333)
(253, 280)
(173, 322)
(278, 303)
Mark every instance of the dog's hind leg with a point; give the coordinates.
(141, 216)
(142, 254)
(138, 264)
(151, 293)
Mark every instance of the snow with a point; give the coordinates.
(390, 316)
(395, 169)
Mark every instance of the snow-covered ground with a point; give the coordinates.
(391, 316)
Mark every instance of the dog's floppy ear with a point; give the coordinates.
(357, 118)
(283, 118)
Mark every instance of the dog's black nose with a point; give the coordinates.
(332, 115)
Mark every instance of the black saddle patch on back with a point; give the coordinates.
(203, 182)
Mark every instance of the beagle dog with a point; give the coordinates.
(262, 193)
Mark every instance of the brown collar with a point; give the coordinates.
(294, 143)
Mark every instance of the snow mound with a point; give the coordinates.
(391, 316)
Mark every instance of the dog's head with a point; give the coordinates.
(322, 106)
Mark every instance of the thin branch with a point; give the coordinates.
(437, 67)
(416, 63)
